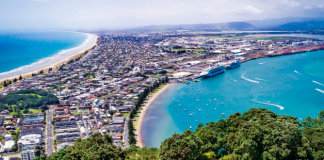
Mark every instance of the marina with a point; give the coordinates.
(254, 84)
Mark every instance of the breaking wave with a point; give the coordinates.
(270, 104)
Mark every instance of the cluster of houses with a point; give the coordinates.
(24, 134)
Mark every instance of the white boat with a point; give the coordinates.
(198, 100)
(190, 114)
(185, 109)
(179, 105)
(212, 71)
(199, 110)
(190, 127)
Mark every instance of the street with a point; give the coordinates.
(49, 136)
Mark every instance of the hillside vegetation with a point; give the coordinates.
(255, 134)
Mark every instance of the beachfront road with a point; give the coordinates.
(49, 132)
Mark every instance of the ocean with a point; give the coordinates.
(22, 52)
(287, 85)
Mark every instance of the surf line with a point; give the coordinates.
(280, 107)
(319, 90)
(318, 83)
(248, 79)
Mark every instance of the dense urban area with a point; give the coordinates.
(102, 92)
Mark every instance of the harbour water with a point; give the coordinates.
(23, 52)
(287, 85)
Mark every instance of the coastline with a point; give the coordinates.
(55, 63)
(139, 127)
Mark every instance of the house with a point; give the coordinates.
(118, 120)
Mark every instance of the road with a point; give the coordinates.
(49, 132)
(125, 137)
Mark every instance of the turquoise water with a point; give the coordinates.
(288, 85)
(20, 51)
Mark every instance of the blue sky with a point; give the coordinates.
(120, 14)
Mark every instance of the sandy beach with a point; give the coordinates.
(53, 64)
(143, 112)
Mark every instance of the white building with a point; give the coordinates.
(29, 140)
(8, 145)
(62, 145)
(28, 154)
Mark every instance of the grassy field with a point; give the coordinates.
(126, 114)
(30, 110)
(38, 96)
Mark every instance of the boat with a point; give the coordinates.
(215, 108)
(233, 65)
(195, 80)
(223, 114)
(196, 120)
(215, 99)
(212, 71)
(222, 103)
(198, 100)
(190, 127)
(190, 114)
(199, 110)
(185, 109)
(207, 104)
(179, 105)
(187, 82)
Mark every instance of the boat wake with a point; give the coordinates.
(318, 83)
(270, 104)
(319, 90)
(250, 80)
(261, 79)
(297, 72)
(233, 80)
(263, 62)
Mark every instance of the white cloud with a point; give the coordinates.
(252, 9)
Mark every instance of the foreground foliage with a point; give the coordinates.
(255, 134)
(96, 147)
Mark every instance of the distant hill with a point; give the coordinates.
(216, 27)
(274, 22)
(303, 26)
(241, 26)
(278, 24)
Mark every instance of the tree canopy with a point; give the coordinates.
(97, 147)
(29, 98)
